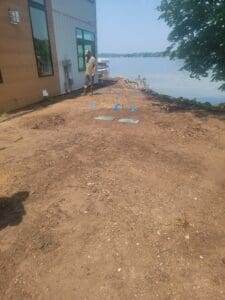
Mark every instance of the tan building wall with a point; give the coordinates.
(21, 84)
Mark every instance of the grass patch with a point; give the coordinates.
(3, 115)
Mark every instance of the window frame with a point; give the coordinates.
(82, 42)
(42, 7)
(1, 77)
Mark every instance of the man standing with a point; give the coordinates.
(90, 71)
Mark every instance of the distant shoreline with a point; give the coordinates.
(136, 54)
(180, 101)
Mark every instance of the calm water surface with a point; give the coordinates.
(164, 77)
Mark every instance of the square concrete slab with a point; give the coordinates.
(128, 121)
(105, 118)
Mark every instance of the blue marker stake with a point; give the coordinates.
(117, 107)
(93, 106)
(133, 109)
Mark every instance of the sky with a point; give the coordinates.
(126, 26)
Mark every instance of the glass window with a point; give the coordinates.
(41, 40)
(87, 47)
(39, 1)
(80, 50)
(81, 55)
(85, 42)
(80, 63)
(79, 34)
(88, 36)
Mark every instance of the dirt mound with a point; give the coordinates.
(47, 122)
(103, 210)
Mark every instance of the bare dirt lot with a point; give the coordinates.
(101, 210)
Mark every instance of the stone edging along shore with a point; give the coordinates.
(180, 101)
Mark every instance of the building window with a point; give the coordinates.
(85, 42)
(42, 2)
(41, 40)
(1, 79)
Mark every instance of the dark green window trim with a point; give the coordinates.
(42, 48)
(1, 79)
(83, 44)
(37, 4)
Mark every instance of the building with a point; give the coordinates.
(42, 48)
(28, 60)
(75, 33)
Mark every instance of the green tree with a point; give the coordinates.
(197, 35)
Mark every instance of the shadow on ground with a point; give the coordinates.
(12, 209)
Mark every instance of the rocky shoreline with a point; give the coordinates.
(181, 101)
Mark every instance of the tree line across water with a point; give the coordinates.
(136, 54)
(197, 37)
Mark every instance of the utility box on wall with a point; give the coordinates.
(67, 67)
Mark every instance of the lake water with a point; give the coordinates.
(164, 77)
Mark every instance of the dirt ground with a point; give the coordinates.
(101, 210)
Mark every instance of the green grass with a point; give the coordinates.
(3, 114)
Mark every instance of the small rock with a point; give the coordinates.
(201, 257)
(119, 270)
(187, 237)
